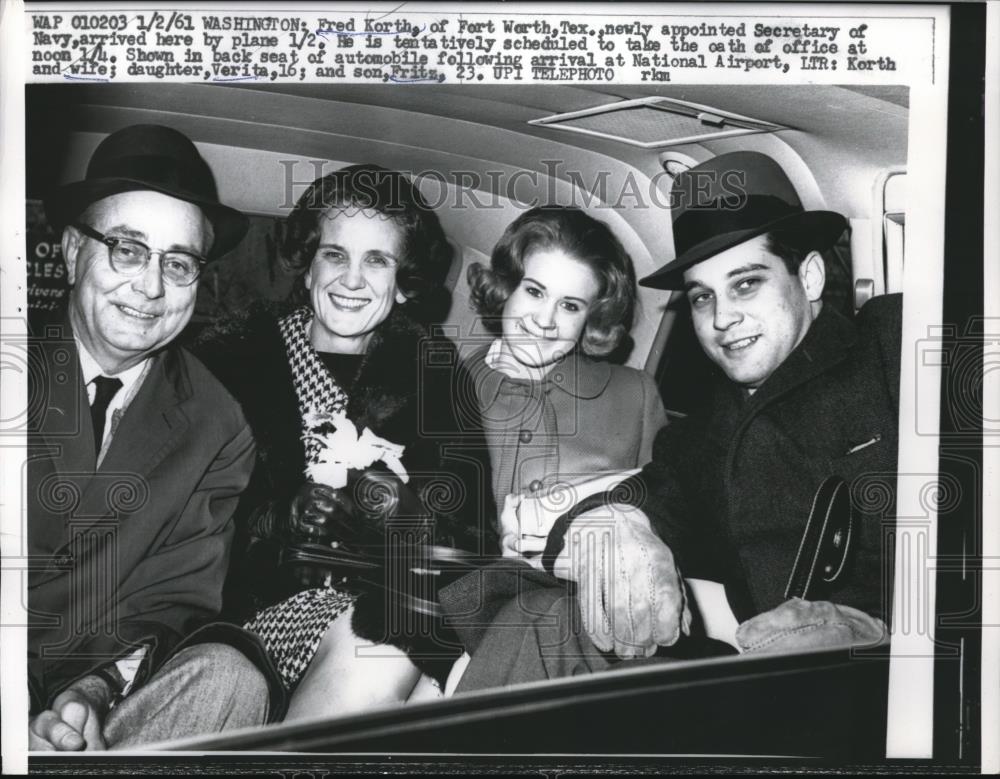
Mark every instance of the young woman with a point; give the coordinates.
(560, 294)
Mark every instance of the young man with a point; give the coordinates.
(137, 459)
(803, 394)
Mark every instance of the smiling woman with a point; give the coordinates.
(349, 352)
(352, 280)
(559, 291)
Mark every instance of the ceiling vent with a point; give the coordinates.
(653, 122)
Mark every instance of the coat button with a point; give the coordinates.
(524, 437)
(535, 486)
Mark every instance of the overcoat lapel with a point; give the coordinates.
(152, 426)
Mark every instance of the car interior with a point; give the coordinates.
(482, 155)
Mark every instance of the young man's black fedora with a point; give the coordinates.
(149, 156)
(730, 199)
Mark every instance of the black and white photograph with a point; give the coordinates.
(416, 388)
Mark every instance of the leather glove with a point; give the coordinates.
(799, 625)
(312, 516)
(355, 514)
(631, 594)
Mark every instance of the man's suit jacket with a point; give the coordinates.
(134, 552)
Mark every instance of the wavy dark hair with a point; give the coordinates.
(589, 241)
(425, 257)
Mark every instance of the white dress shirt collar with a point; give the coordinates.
(92, 370)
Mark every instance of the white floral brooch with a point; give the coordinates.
(341, 449)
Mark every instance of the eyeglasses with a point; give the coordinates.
(130, 258)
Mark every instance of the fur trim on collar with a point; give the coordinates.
(388, 378)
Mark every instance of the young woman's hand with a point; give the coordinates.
(527, 518)
(517, 539)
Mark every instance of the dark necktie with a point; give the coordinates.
(106, 388)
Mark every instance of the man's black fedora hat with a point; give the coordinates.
(730, 199)
(149, 156)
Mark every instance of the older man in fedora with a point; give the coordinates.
(137, 459)
(781, 488)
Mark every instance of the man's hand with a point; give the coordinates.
(75, 720)
(800, 625)
(631, 593)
